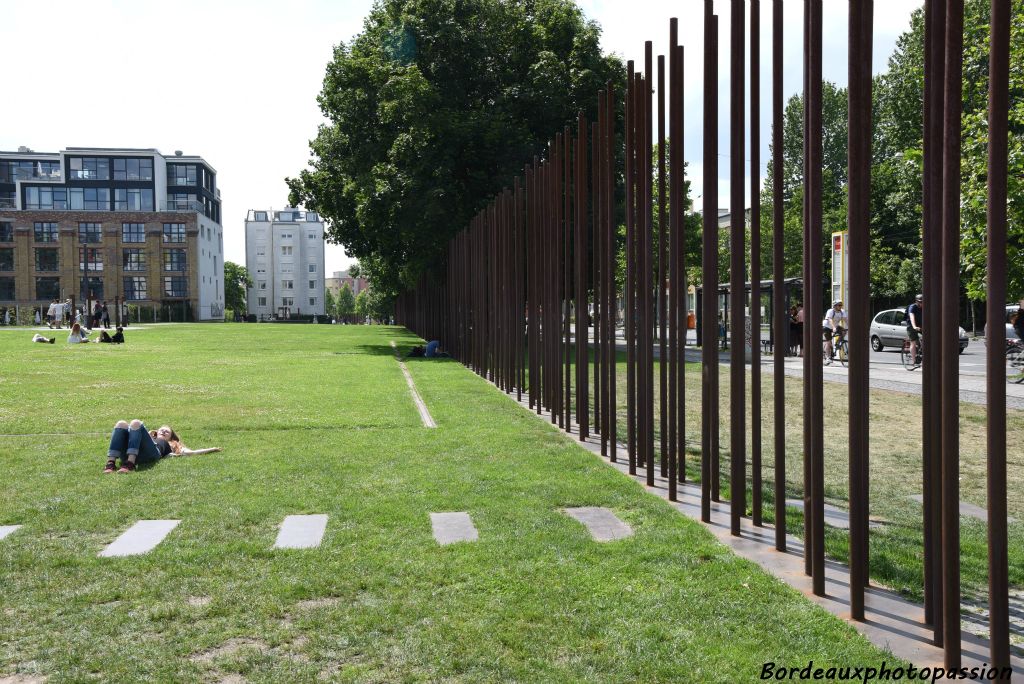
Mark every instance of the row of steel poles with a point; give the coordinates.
(531, 295)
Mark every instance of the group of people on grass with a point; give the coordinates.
(80, 335)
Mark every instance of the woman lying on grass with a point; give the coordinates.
(136, 446)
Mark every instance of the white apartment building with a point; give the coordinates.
(284, 254)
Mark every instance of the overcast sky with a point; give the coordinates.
(235, 81)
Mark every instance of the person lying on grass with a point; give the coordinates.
(135, 446)
(44, 340)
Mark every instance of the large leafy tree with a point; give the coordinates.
(236, 282)
(346, 303)
(431, 110)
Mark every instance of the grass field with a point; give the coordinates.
(317, 419)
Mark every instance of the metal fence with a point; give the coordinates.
(523, 278)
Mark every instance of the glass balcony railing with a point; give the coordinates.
(37, 174)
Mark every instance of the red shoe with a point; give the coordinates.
(127, 467)
(111, 467)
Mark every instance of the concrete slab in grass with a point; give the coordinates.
(602, 523)
(6, 530)
(142, 537)
(968, 509)
(301, 532)
(450, 528)
(834, 517)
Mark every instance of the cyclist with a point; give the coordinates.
(833, 325)
(915, 321)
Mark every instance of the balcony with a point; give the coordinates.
(183, 205)
(39, 175)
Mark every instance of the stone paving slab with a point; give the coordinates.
(968, 509)
(301, 532)
(602, 523)
(7, 530)
(450, 528)
(834, 517)
(142, 537)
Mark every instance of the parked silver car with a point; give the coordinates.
(889, 329)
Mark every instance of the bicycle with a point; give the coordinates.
(909, 363)
(1014, 362)
(840, 348)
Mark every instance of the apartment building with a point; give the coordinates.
(111, 224)
(284, 254)
(339, 279)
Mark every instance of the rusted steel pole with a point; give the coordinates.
(737, 370)
(611, 259)
(948, 338)
(630, 273)
(934, 68)
(647, 262)
(995, 336)
(582, 310)
(665, 397)
(858, 220)
(755, 260)
(595, 263)
(566, 303)
(672, 291)
(781, 318)
(680, 318)
(709, 481)
(520, 301)
(809, 318)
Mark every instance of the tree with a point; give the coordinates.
(330, 306)
(431, 110)
(236, 282)
(346, 304)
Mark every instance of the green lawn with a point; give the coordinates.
(317, 419)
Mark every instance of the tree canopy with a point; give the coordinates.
(431, 110)
(236, 282)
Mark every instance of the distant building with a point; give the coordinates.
(106, 223)
(284, 254)
(341, 278)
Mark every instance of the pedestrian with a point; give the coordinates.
(97, 312)
(7, 316)
(51, 314)
(800, 327)
(105, 316)
(794, 332)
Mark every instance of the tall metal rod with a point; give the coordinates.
(709, 268)
(755, 260)
(673, 291)
(858, 220)
(646, 263)
(581, 308)
(595, 278)
(737, 220)
(630, 270)
(680, 319)
(781, 319)
(995, 336)
(666, 398)
(808, 339)
(611, 291)
(567, 282)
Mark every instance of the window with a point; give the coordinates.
(181, 201)
(89, 233)
(174, 286)
(47, 259)
(286, 269)
(8, 199)
(90, 168)
(259, 216)
(311, 216)
(6, 289)
(92, 287)
(133, 169)
(174, 260)
(47, 288)
(133, 232)
(46, 198)
(261, 301)
(287, 284)
(135, 288)
(312, 268)
(286, 250)
(174, 232)
(181, 174)
(134, 260)
(7, 259)
(45, 232)
(90, 199)
(133, 199)
(312, 301)
(311, 236)
(287, 301)
(263, 284)
(260, 270)
(312, 284)
(6, 232)
(90, 259)
(261, 251)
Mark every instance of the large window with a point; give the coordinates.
(133, 199)
(45, 232)
(181, 201)
(312, 268)
(90, 168)
(47, 259)
(6, 231)
(135, 288)
(7, 259)
(286, 250)
(287, 284)
(90, 199)
(174, 232)
(262, 284)
(134, 260)
(175, 286)
(47, 288)
(46, 198)
(133, 169)
(90, 259)
(312, 301)
(92, 288)
(312, 284)
(174, 260)
(8, 199)
(7, 289)
(181, 174)
(133, 232)
(260, 301)
(90, 233)
(287, 301)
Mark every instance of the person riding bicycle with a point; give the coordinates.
(915, 322)
(833, 325)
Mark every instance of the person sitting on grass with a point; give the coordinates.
(433, 350)
(116, 338)
(77, 335)
(43, 340)
(133, 445)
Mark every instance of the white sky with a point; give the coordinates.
(235, 81)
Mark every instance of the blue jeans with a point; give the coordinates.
(125, 442)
